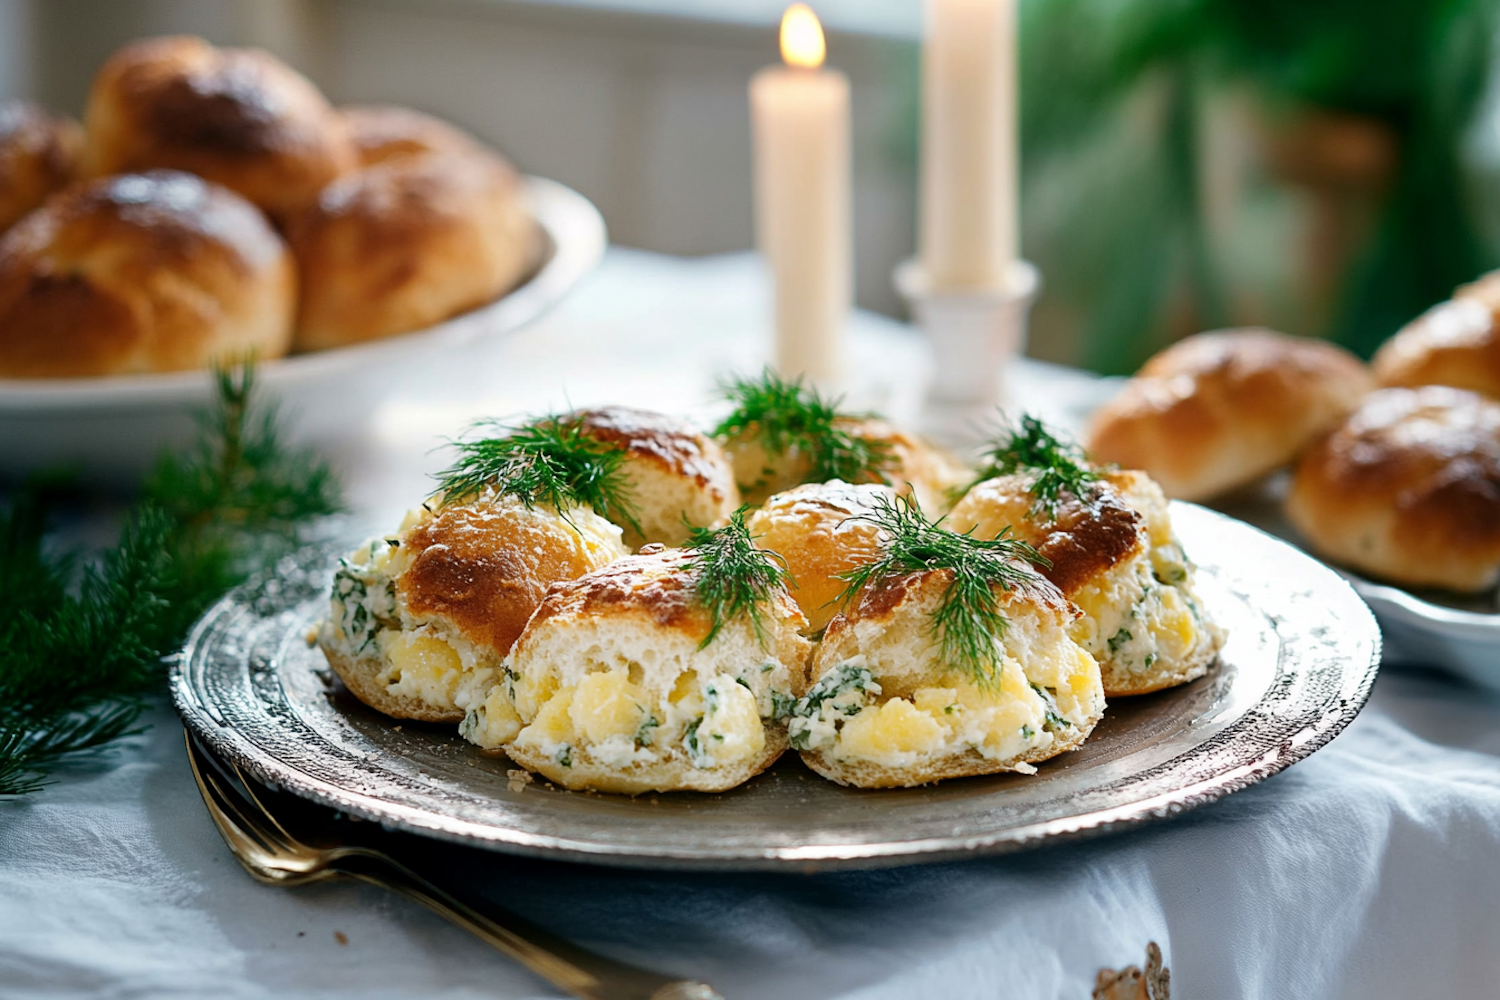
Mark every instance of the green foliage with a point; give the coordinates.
(552, 461)
(1113, 94)
(969, 621)
(789, 418)
(734, 577)
(82, 642)
(1057, 466)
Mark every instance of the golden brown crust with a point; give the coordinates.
(658, 587)
(406, 244)
(819, 530)
(1455, 343)
(966, 764)
(1085, 538)
(141, 273)
(1121, 683)
(1408, 489)
(238, 117)
(674, 446)
(380, 133)
(361, 676)
(486, 568)
(881, 598)
(1219, 410)
(38, 155)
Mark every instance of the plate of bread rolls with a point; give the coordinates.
(802, 637)
(214, 206)
(1389, 471)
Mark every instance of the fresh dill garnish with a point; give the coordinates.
(1058, 466)
(791, 417)
(734, 576)
(81, 642)
(552, 461)
(969, 620)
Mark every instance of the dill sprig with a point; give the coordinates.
(552, 461)
(1057, 466)
(81, 642)
(734, 576)
(969, 621)
(788, 416)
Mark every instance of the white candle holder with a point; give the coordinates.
(974, 335)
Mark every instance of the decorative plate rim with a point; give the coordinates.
(1257, 743)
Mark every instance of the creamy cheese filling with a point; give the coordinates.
(1142, 615)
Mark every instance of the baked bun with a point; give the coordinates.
(413, 614)
(238, 117)
(1455, 343)
(821, 530)
(617, 686)
(381, 133)
(677, 477)
(1408, 489)
(38, 155)
(886, 711)
(1112, 552)
(1219, 410)
(914, 466)
(408, 243)
(140, 273)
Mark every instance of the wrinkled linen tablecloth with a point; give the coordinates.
(1369, 870)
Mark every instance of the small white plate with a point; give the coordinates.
(111, 429)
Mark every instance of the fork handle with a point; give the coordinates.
(580, 973)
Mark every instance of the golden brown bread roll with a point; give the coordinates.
(676, 477)
(408, 243)
(38, 155)
(415, 614)
(381, 133)
(142, 273)
(1454, 343)
(821, 531)
(1408, 489)
(622, 683)
(239, 117)
(1219, 410)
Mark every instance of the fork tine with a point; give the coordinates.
(229, 804)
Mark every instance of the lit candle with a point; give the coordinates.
(800, 115)
(969, 185)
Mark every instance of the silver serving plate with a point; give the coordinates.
(1302, 654)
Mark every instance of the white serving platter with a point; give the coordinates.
(110, 430)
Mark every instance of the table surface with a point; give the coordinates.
(1370, 870)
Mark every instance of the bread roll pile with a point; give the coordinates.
(214, 205)
(1396, 466)
(822, 621)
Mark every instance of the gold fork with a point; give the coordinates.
(267, 849)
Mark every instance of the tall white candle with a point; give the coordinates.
(969, 233)
(800, 116)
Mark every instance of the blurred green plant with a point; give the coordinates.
(1125, 225)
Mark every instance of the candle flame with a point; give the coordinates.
(802, 37)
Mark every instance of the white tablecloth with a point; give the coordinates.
(1370, 870)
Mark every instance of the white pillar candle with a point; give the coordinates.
(800, 116)
(969, 233)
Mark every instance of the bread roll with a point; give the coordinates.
(819, 530)
(915, 467)
(238, 117)
(677, 477)
(408, 243)
(886, 711)
(415, 613)
(1219, 410)
(140, 273)
(38, 155)
(611, 687)
(1455, 343)
(381, 133)
(1408, 489)
(1112, 553)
